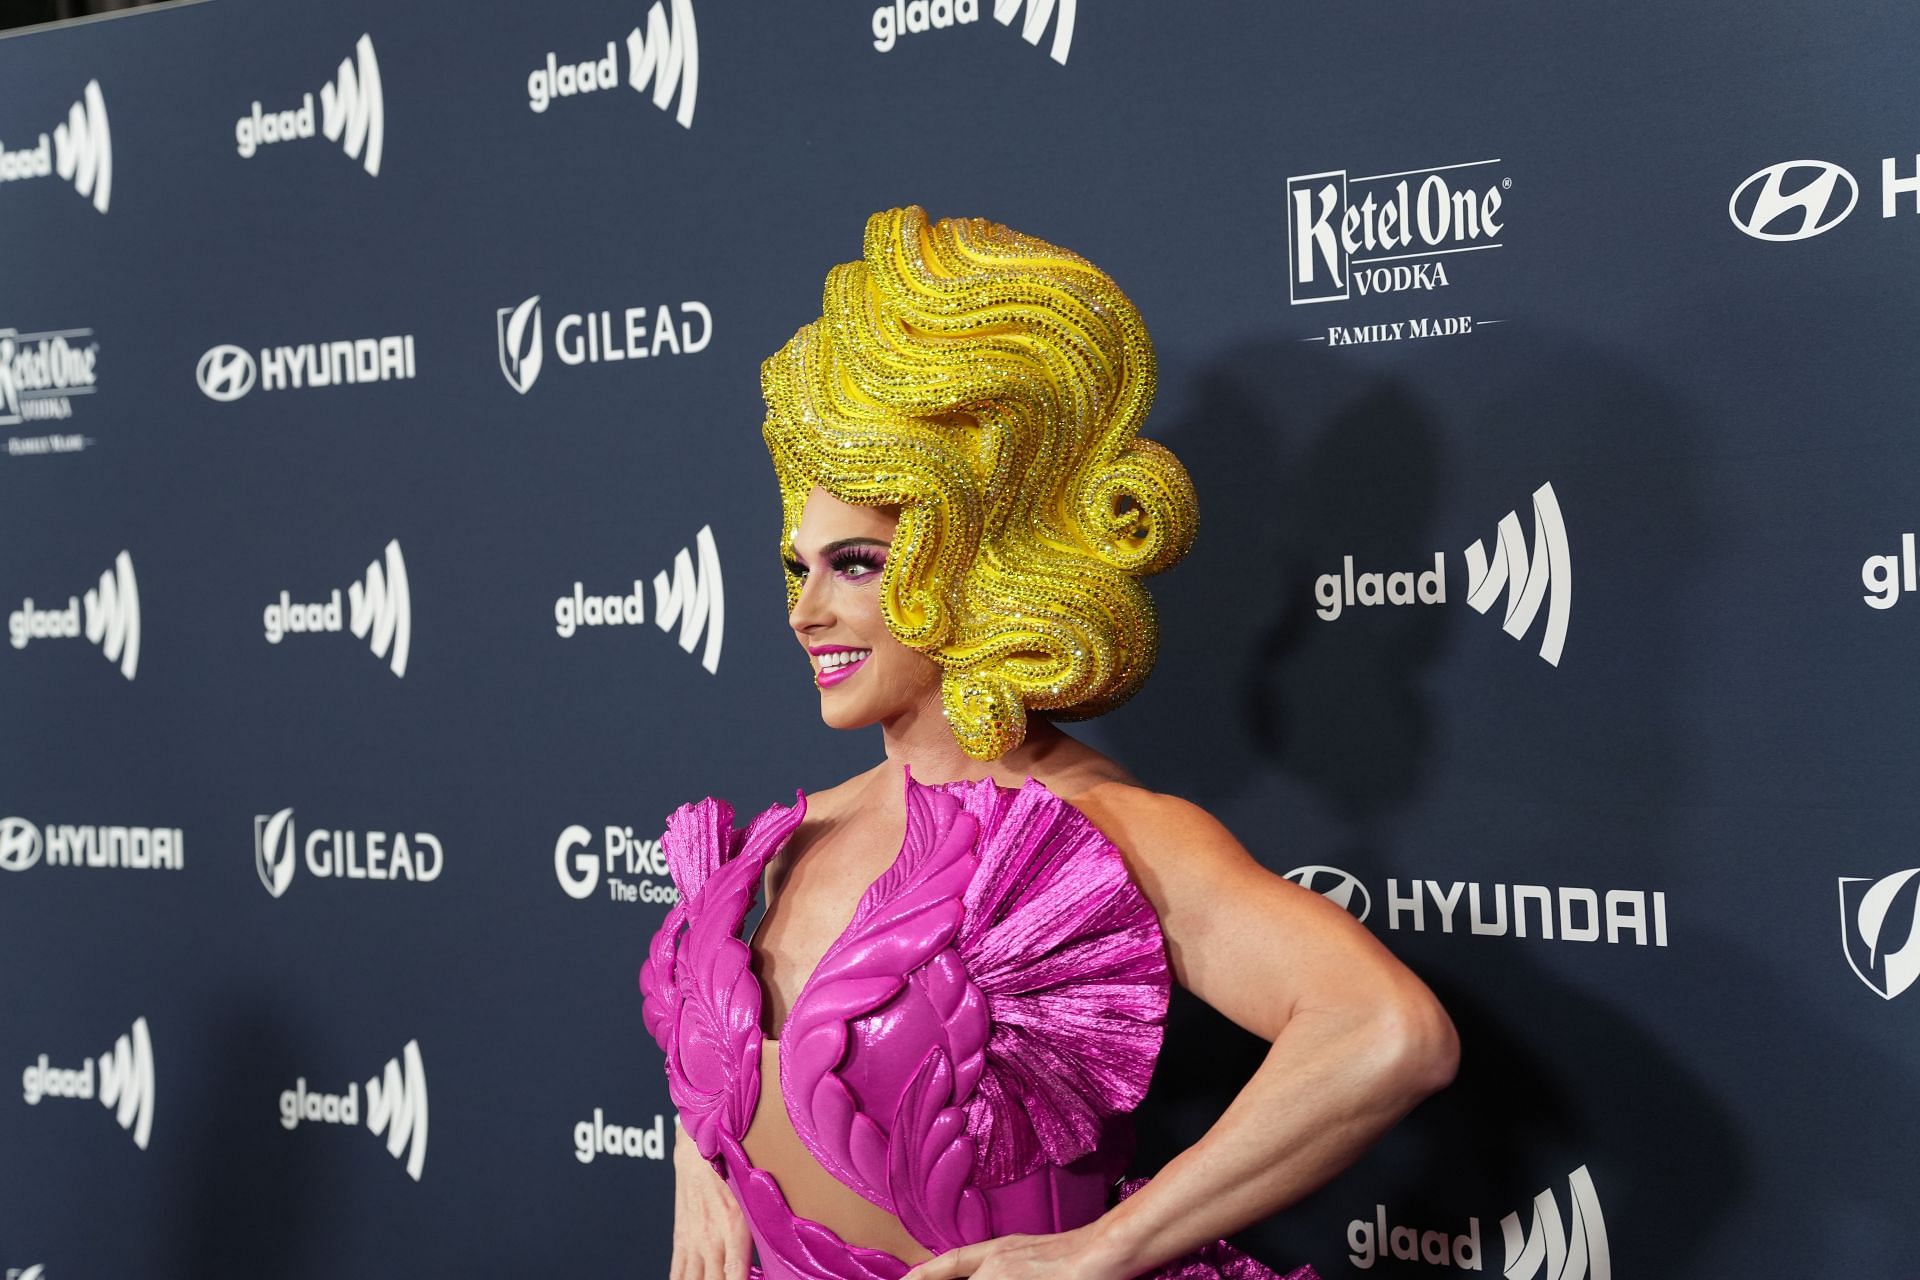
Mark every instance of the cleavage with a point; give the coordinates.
(816, 891)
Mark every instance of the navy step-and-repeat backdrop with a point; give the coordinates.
(387, 545)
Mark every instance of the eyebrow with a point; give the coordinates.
(842, 544)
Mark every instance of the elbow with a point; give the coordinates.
(1417, 1047)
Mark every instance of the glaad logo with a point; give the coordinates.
(80, 151)
(1885, 577)
(911, 17)
(695, 598)
(1551, 1248)
(1880, 930)
(396, 1106)
(342, 855)
(1342, 888)
(597, 1137)
(41, 372)
(1800, 199)
(667, 57)
(592, 338)
(1543, 577)
(125, 1081)
(379, 611)
(1583, 915)
(352, 113)
(112, 618)
(622, 854)
(64, 845)
(1343, 232)
(226, 372)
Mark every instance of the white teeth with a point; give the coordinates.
(833, 661)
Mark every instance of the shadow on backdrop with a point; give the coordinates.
(1298, 725)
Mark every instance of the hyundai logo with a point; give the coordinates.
(1808, 188)
(19, 844)
(225, 372)
(1342, 888)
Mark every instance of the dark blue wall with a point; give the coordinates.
(1725, 742)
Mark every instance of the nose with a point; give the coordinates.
(810, 612)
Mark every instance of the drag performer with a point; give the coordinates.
(923, 1063)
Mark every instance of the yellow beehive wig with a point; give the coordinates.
(992, 387)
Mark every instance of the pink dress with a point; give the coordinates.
(966, 1054)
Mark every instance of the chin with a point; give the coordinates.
(845, 717)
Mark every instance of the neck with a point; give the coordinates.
(922, 741)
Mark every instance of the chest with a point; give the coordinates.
(812, 891)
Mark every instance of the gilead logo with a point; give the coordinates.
(693, 597)
(342, 855)
(121, 1078)
(112, 619)
(596, 1137)
(1549, 1248)
(1880, 930)
(396, 1106)
(1530, 580)
(597, 337)
(379, 610)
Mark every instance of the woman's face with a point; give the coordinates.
(864, 675)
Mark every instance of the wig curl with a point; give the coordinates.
(991, 386)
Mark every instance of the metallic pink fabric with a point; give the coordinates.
(966, 1053)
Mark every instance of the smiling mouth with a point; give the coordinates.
(835, 667)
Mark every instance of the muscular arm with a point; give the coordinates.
(1357, 1040)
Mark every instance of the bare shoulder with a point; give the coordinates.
(1149, 826)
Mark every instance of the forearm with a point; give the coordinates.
(1331, 1084)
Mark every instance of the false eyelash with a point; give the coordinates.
(852, 555)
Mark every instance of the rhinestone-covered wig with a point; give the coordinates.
(991, 386)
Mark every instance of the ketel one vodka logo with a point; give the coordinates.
(695, 598)
(40, 373)
(1550, 1247)
(121, 1078)
(79, 150)
(341, 855)
(379, 610)
(352, 113)
(663, 60)
(396, 1106)
(111, 618)
(1880, 929)
(911, 17)
(1544, 576)
(597, 337)
(1387, 232)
